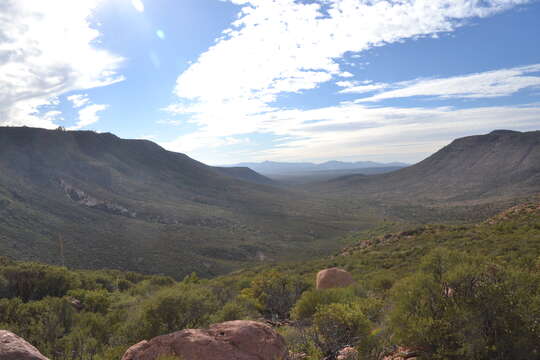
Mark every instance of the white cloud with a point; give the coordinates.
(361, 89)
(504, 82)
(47, 48)
(346, 84)
(405, 134)
(78, 100)
(288, 46)
(88, 116)
(362, 132)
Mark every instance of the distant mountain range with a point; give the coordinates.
(282, 168)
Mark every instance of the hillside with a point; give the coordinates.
(503, 163)
(471, 176)
(130, 204)
(245, 174)
(468, 291)
(97, 201)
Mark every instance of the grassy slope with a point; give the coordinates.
(512, 236)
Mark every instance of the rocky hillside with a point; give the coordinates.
(498, 167)
(95, 200)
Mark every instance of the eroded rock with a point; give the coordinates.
(13, 347)
(239, 340)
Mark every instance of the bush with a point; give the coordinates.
(233, 310)
(93, 300)
(307, 305)
(457, 306)
(301, 340)
(338, 325)
(276, 293)
(43, 323)
(177, 308)
(31, 281)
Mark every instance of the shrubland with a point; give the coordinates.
(448, 292)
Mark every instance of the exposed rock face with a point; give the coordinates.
(82, 198)
(333, 278)
(239, 340)
(13, 347)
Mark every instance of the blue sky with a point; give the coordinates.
(227, 81)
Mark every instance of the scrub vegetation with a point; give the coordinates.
(446, 291)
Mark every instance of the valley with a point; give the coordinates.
(92, 200)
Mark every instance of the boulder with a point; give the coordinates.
(333, 278)
(239, 340)
(13, 347)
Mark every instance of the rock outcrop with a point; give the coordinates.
(333, 278)
(82, 198)
(13, 347)
(240, 340)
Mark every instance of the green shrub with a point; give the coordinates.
(177, 308)
(338, 325)
(301, 340)
(457, 306)
(93, 300)
(276, 293)
(43, 323)
(31, 281)
(307, 304)
(234, 310)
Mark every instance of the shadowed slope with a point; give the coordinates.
(130, 204)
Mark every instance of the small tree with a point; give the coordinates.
(276, 293)
(339, 325)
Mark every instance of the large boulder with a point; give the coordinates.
(13, 347)
(333, 278)
(239, 340)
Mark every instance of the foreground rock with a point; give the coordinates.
(334, 278)
(13, 347)
(348, 353)
(239, 340)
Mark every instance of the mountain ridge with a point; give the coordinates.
(132, 205)
(502, 162)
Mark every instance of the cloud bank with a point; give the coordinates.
(491, 84)
(288, 46)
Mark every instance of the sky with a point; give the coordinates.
(228, 81)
